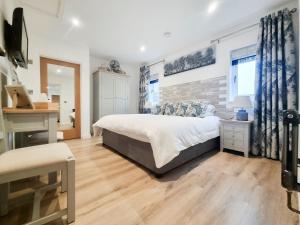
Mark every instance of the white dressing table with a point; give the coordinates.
(28, 120)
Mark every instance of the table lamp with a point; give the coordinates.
(243, 103)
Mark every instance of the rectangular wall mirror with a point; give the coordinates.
(60, 81)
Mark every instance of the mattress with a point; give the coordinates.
(168, 135)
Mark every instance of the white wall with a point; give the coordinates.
(222, 66)
(61, 50)
(132, 70)
(65, 51)
(6, 11)
(223, 50)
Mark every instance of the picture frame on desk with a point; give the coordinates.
(20, 97)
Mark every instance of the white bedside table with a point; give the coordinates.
(235, 135)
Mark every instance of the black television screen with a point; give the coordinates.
(20, 38)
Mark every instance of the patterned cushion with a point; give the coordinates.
(170, 109)
(193, 110)
(156, 110)
(162, 109)
(210, 110)
(200, 109)
(181, 109)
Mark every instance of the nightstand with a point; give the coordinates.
(235, 135)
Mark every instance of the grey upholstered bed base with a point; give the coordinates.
(141, 152)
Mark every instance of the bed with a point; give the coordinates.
(159, 143)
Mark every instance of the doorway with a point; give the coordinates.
(60, 81)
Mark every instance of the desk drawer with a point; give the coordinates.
(26, 122)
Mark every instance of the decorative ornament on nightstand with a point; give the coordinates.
(243, 103)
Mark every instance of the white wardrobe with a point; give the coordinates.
(110, 93)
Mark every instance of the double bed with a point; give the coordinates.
(159, 143)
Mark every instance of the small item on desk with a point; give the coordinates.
(44, 103)
(20, 97)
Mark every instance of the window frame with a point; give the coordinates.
(153, 80)
(235, 56)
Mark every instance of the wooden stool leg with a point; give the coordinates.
(64, 181)
(4, 191)
(71, 191)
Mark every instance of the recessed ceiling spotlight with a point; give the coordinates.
(143, 48)
(212, 6)
(167, 34)
(75, 22)
(58, 71)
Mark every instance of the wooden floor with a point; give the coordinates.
(219, 189)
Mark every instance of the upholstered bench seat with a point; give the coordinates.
(40, 156)
(34, 161)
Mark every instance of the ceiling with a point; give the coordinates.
(118, 28)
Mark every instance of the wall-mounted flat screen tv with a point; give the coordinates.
(16, 39)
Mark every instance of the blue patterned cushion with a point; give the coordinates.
(181, 109)
(198, 109)
(156, 110)
(162, 109)
(170, 109)
(193, 109)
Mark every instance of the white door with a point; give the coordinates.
(121, 95)
(107, 95)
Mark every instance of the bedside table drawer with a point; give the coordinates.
(233, 128)
(233, 143)
(234, 135)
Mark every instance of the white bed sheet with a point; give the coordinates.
(168, 135)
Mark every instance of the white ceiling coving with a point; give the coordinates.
(48, 7)
(118, 28)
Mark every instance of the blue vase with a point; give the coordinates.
(242, 115)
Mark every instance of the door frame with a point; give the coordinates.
(72, 133)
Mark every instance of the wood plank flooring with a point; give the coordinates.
(219, 189)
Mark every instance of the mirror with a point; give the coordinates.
(61, 92)
(60, 81)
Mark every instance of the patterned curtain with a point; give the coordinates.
(276, 82)
(144, 89)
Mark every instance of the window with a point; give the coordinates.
(243, 67)
(154, 92)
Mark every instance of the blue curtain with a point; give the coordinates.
(144, 90)
(276, 82)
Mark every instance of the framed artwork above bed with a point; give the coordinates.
(201, 58)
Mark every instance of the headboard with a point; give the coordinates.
(212, 90)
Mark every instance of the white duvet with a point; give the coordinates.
(168, 135)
